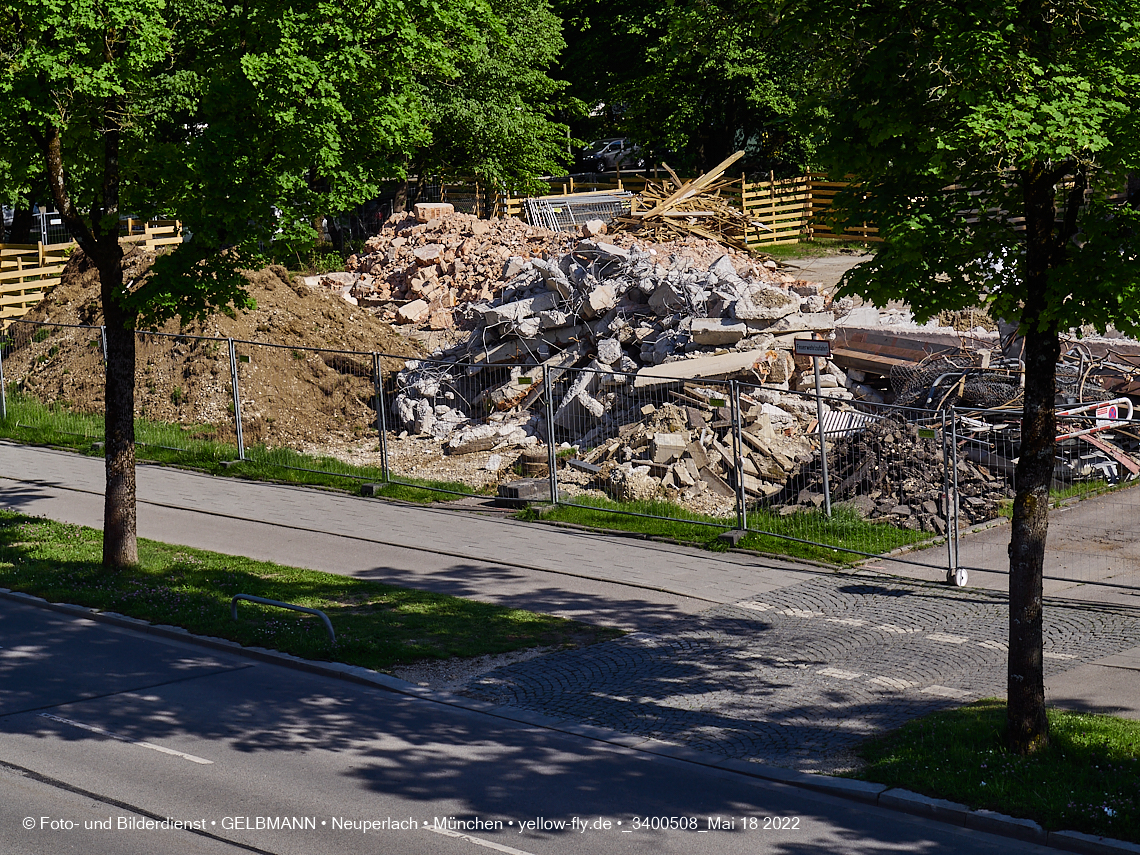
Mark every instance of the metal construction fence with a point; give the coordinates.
(907, 483)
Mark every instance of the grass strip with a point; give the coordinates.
(843, 529)
(1087, 780)
(32, 422)
(377, 626)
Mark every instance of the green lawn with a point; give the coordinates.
(192, 446)
(1088, 779)
(844, 529)
(377, 626)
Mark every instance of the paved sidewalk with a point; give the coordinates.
(626, 581)
(734, 654)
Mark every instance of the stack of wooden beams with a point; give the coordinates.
(671, 210)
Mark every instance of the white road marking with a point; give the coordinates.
(101, 731)
(890, 627)
(943, 638)
(847, 621)
(756, 607)
(995, 645)
(945, 692)
(1049, 655)
(478, 841)
(892, 683)
(840, 674)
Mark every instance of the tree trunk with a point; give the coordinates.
(1028, 727)
(120, 533)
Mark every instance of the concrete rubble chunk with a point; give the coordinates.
(592, 228)
(599, 301)
(798, 321)
(717, 331)
(413, 312)
(427, 211)
(609, 351)
(709, 367)
(765, 303)
(666, 447)
(428, 254)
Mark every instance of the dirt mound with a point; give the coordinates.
(297, 383)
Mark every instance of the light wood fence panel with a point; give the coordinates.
(823, 195)
(28, 272)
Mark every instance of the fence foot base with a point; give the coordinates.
(958, 577)
(732, 537)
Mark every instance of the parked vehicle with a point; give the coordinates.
(608, 154)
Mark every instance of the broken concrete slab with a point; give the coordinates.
(665, 447)
(413, 312)
(700, 367)
(717, 331)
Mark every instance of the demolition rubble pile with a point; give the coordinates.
(422, 266)
(688, 447)
(642, 332)
(889, 472)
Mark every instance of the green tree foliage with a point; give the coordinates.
(693, 80)
(245, 120)
(494, 118)
(987, 141)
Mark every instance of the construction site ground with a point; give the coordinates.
(734, 654)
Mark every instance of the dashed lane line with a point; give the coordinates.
(478, 841)
(103, 732)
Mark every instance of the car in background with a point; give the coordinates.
(608, 154)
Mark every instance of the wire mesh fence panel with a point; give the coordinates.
(1092, 543)
(643, 445)
(183, 396)
(466, 427)
(308, 409)
(54, 379)
(567, 213)
(885, 484)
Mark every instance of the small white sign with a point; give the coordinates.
(1107, 415)
(813, 347)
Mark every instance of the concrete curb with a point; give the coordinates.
(904, 801)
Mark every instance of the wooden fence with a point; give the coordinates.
(791, 209)
(28, 272)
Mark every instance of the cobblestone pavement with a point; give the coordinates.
(799, 676)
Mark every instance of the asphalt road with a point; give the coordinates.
(105, 728)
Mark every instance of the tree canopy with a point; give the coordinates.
(244, 120)
(989, 142)
(692, 82)
(494, 118)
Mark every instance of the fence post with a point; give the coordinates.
(959, 576)
(103, 340)
(737, 455)
(3, 390)
(381, 415)
(551, 455)
(822, 438)
(948, 499)
(237, 399)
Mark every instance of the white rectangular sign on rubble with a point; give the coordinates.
(813, 347)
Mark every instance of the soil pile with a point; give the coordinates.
(295, 387)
